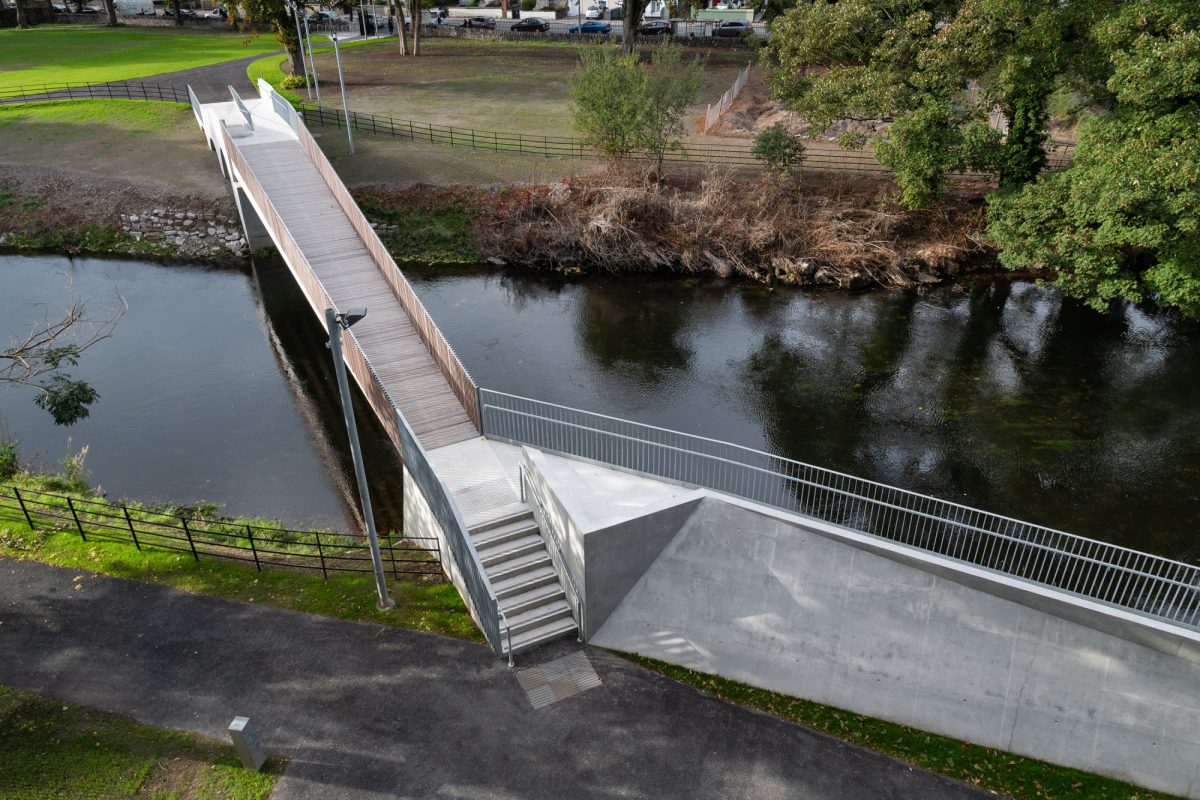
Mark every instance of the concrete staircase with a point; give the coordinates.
(519, 568)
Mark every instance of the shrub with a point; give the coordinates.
(293, 81)
(10, 463)
(779, 149)
(528, 5)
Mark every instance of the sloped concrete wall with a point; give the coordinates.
(776, 604)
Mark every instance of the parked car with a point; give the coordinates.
(732, 28)
(60, 8)
(324, 18)
(487, 23)
(530, 24)
(659, 28)
(187, 13)
(595, 11)
(90, 10)
(595, 26)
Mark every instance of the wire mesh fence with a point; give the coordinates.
(202, 536)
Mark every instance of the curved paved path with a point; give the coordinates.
(367, 711)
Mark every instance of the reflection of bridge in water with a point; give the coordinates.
(602, 546)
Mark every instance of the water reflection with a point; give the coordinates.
(997, 394)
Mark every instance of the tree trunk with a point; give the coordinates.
(178, 15)
(110, 7)
(416, 23)
(630, 18)
(21, 21)
(398, 10)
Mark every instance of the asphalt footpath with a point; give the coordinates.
(369, 711)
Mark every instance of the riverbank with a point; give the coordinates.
(423, 602)
(70, 211)
(812, 230)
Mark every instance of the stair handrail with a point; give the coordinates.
(507, 632)
(544, 520)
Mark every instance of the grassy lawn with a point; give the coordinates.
(128, 116)
(421, 603)
(94, 54)
(485, 85)
(1004, 773)
(61, 750)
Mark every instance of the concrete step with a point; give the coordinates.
(511, 549)
(501, 522)
(517, 566)
(505, 533)
(540, 635)
(537, 596)
(540, 616)
(524, 582)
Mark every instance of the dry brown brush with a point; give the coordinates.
(821, 230)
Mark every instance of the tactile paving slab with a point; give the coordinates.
(558, 679)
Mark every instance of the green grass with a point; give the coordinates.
(66, 751)
(424, 235)
(94, 54)
(270, 68)
(421, 604)
(1007, 774)
(133, 115)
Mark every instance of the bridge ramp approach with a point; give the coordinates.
(287, 198)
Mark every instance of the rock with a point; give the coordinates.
(925, 277)
(499, 262)
(137, 236)
(133, 217)
(191, 215)
(189, 222)
(178, 215)
(211, 231)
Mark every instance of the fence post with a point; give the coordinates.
(253, 549)
(132, 532)
(24, 510)
(321, 554)
(71, 505)
(392, 556)
(191, 543)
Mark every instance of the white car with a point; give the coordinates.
(595, 11)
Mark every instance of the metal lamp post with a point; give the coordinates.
(312, 61)
(336, 323)
(337, 54)
(300, 44)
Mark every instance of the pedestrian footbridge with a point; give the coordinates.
(554, 521)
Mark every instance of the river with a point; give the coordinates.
(998, 394)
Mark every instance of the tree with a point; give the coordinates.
(277, 14)
(902, 68)
(1123, 220)
(39, 360)
(110, 8)
(177, 11)
(779, 149)
(622, 106)
(22, 21)
(631, 17)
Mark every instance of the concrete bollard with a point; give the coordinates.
(246, 743)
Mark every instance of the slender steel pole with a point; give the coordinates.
(334, 325)
(312, 61)
(337, 54)
(300, 44)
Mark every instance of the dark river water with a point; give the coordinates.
(1001, 395)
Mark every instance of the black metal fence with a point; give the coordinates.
(123, 90)
(215, 537)
(732, 153)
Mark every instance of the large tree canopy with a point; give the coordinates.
(1124, 219)
(919, 78)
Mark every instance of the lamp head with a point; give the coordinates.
(351, 316)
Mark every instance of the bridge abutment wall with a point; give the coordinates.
(778, 604)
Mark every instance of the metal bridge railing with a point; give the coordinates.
(1158, 587)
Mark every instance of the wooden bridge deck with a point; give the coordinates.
(344, 266)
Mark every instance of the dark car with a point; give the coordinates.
(532, 24)
(654, 29)
(487, 23)
(732, 28)
(595, 26)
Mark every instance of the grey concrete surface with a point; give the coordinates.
(615, 525)
(366, 711)
(768, 602)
